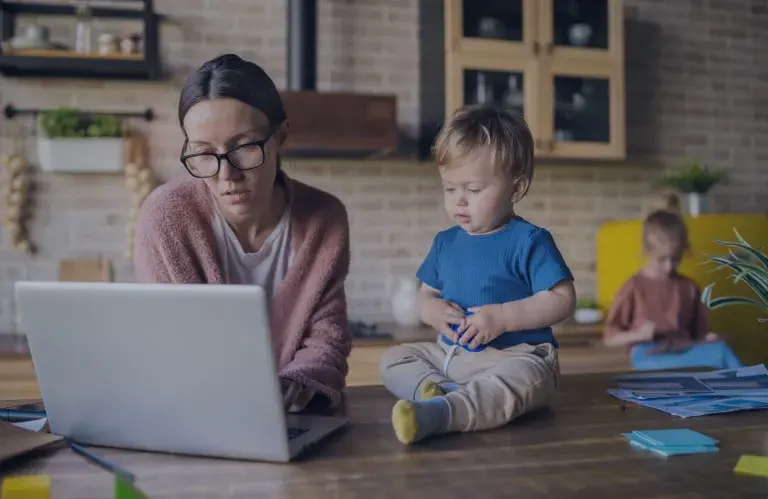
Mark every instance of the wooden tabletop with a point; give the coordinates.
(574, 450)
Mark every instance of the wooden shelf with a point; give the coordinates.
(77, 67)
(66, 54)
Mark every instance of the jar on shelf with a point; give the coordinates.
(131, 44)
(83, 29)
(108, 44)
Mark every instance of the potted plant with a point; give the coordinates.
(72, 141)
(695, 181)
(750, 266)
(587, 311)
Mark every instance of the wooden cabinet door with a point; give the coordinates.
(582, 111)
(511, 84)
(507, 28)
(590, 30)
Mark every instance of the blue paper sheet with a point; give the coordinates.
(697, 394)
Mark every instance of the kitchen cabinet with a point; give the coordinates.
(558, 62)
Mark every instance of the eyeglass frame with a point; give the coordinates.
(261, 143)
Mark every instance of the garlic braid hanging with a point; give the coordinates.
(140, 181)
(16, 187)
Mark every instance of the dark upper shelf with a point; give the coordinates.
(70, 10)
(69, 65)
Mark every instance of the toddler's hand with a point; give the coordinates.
(646, 331)
(484, 326)
(440, 314)
(711, 338)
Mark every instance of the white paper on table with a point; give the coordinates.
(33, 425)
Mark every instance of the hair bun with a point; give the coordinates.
(668, 201)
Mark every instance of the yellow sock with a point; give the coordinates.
(430, 389)
(414, 421)
(404, 421)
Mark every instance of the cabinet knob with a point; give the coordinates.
(536, 47)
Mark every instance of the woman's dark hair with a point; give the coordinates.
(229, 76)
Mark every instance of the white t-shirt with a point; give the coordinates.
(266, 267)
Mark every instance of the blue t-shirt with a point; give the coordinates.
(514, 263)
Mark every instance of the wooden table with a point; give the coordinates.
(575, 450)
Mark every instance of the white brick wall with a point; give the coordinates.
(395, 208)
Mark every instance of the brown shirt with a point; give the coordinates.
(672, 304)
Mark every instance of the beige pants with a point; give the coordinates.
(495, 386)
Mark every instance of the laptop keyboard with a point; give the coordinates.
(295, 432)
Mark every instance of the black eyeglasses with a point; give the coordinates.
(243, 157)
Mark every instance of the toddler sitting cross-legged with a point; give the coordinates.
(493, 285)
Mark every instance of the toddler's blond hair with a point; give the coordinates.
(474, 130)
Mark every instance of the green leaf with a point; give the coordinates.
(749, 249)
(758, 285)
(725, 301)
(748, 267)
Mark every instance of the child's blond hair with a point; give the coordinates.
(664, 223)
(473, 130)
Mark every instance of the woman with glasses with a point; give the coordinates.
(237, 218)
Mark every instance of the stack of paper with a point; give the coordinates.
(672, 442)
(697, 394)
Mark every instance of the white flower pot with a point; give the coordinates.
(587, 316)
(81, 155)
(696, 203)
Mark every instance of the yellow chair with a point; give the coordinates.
(619, 256)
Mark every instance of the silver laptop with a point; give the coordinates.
(183, 369)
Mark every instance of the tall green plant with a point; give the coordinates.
(750, 266)
(694, 178)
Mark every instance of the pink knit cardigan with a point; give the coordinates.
(174, 243)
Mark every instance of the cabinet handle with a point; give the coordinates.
(539, 144)
(536, 47)
(551, 145)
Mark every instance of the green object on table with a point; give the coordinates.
(752, 466)
(126, 490)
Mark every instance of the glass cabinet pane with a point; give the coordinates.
(500, 88)
(580, 23)
(582, 109)
(495, 19)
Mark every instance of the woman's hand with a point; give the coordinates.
(485, 325)
(292, 393)
(440, 314)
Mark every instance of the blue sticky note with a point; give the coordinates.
(678, 451)
(670, 450)
(675, 438)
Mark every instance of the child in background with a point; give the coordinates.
(492, 286)
(658, 312)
